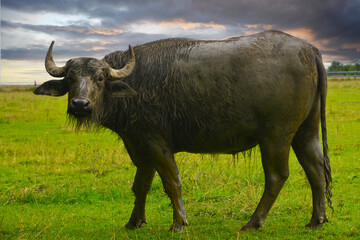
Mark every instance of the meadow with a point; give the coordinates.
(58, 184)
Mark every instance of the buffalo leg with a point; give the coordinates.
(164, 163)
(275, 163)
(153, 151)
(162, 159)
(307, 148)
(141, 186)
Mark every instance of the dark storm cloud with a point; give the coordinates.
(22, 53)
(333, 22)
(74, 47)
(71, 30)
(328, 19)
(331, 17)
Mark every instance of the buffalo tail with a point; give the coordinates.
(323, 92)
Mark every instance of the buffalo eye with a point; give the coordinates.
(100, 79)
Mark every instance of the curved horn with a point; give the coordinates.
(50, 65)
(117, 74)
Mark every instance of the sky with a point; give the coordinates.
(94, 28)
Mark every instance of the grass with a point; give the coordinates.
(57, 184)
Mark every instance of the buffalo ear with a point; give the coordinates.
(52, 88)
(121, 89)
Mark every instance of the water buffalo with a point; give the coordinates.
(227, 96)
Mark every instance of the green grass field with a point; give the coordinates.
(58, 184)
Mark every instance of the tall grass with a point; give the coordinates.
(57, 184)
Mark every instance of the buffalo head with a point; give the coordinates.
(86, 80)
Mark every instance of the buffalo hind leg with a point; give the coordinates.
(142, 184)
(307, 147)
(275, 158)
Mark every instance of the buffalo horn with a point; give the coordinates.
(50, 65)
(117, 74)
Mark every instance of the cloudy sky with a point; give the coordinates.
(94, 28)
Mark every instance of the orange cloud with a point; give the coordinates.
(352, 46)
(256, 28)
(263, 26)
(179, 22)
(303, 33)
(309, 35)
(100, 46)
(107, 32)
(175, 27)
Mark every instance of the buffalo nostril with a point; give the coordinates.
(80, 103)
(80, 107)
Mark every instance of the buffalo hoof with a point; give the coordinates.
(252, 224)
(134, 224)
(316, 223)
(178, 228)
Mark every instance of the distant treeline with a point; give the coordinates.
(338, 66)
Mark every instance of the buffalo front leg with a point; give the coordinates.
(172, 185)
(142, 184)
(275, 163)
(164, 163)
